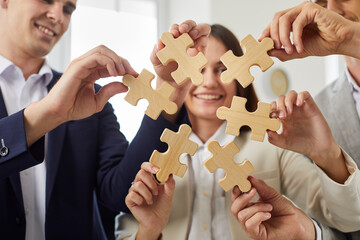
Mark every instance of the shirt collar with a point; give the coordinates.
(220, 136)
(45, 72)
(353, 85)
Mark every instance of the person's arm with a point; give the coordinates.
(73, 96)
(305, 130)
(272, 216)
(199, 34)
(316, 31)
(150, 202)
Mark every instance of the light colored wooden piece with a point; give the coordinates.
(255, 54)
(178, 143)
(238, 116)
(176, 50)
(223, 157)
(159, 100)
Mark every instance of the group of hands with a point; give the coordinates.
(315, 32)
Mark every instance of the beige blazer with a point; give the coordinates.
(292, 174)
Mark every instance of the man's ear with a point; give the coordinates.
(4, 3)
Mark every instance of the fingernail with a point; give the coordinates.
(282, 114)
(288, 49)
(193, 33)
(186, 26)
(155, 169)
(267, 215)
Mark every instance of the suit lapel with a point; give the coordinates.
(347, 127)
(54, 142)
(15, 178)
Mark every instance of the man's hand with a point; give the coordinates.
(73, 96)
(270, 217)
(305, 130)
(316, 31)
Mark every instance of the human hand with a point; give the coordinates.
(270, 217)
(150, 202)
(305, 130)
(199, 34)
(73, 96)
(316, 31)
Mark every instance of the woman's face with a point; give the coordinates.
(203, 101)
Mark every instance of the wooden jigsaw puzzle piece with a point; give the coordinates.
(176, 50)
(159, 100)
(178, 143)
(237, 116)
(239, 67)
(235, 174)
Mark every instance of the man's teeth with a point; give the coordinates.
(46, 31)
(208, 97)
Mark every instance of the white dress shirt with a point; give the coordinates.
(209, 218)
(355, 90)
(18, 93)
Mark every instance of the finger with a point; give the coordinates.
(274, 30)
(283, 56)
(265, 33)
(133, 199)
(285, 28)
(201, 43)
(108, 91)
(265, 191)
(200, 31)
(242, 201)
(290, 101)
(145, 175)
(280, 102)
(128, 69)
(174, 30)
(273, 110)
(303, 19)
(304, 96)
(169, 186)
(249, 212)
(252, 225)
(187, 26)
(275, 138)
(235, 193)
(141, 189)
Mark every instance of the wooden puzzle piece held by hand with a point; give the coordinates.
(255, 54)
(236, 174)
(159, 100)
(237, 116)
(178, 143)
(176, 50)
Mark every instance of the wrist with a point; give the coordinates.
(352, 40)
(147, 234)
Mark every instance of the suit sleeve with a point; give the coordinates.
(120, 162)
(330, 203)
(19, 157)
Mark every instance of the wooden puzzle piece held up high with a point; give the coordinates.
(176, 50)
(178, 143)
(255, 54)
(159, 100)
(237, 116)
(236, 174)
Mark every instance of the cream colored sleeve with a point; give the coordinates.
(332, 204)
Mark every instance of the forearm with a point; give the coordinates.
(350, 46)
(38, 121)
(143, 234)
(332, 162)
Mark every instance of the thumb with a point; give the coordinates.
(108, 91)
(265, 191)
(169, 186)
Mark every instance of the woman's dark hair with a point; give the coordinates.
(232, 43)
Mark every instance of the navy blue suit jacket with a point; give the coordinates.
(82, 157)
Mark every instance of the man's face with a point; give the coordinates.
(37, 25)
(349, 9)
